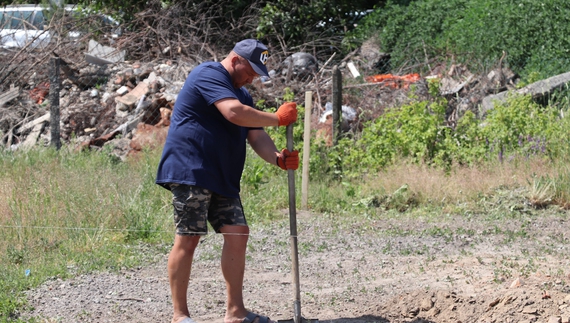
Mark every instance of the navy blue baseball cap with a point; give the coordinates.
(255, 52)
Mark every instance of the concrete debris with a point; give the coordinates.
(538, 90)
(34, 123)
(93, 112)
(352, 68)
(33, 136)
(131, 98)
(101, 55)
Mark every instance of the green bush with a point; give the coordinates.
(531, 34)
(519, 128)
(527, 31)
(412, 131)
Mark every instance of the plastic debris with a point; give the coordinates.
(394, 81)
(348, 113)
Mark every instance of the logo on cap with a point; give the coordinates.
(263, 57)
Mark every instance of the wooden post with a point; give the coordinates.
(54, 88)
(336, 103)
(306, 149)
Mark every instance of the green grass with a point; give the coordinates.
(65, 213)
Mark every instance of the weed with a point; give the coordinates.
(541, 191)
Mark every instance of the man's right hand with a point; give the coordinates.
(287, 113)
(288, 159)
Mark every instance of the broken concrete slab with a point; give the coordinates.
(133, 97)
(102, 55)
(353, 69)
(129, 125)
(537, 90)
(450, 86)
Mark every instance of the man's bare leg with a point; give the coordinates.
(233, 268)
(179, 267)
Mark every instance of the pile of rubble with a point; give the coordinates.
(93, 113)
(128, 104)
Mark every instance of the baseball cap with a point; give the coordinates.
(255, 52)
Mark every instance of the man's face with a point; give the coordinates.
(243, 73)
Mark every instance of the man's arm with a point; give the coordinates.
(263, 145)
(242, 115)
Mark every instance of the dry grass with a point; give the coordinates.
(6, 187)
(6, 191)
(461, 184)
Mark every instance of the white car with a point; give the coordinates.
(25, 25)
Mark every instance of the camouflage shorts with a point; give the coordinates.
(195, 206)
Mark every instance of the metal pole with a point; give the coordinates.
(293, 237)
(54, 88)
(336, 103)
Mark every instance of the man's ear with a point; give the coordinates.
(235, 59)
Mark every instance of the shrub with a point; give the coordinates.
(477, 33)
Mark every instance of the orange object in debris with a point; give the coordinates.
(379, 77)
(394, 81)
(39, 93)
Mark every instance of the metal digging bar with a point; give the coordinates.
(297, 318)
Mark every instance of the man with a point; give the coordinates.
(202, 163)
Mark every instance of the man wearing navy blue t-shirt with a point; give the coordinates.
(202, 163)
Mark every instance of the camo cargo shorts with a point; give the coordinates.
(194, 207)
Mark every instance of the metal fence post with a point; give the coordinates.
(336, 103)
(54, 88)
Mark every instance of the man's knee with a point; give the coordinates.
(186, 242)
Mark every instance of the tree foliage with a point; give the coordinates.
(318, 24)
(532, 34)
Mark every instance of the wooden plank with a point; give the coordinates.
(306, 149)
(32, 138)
(33, 123)
(6, 97)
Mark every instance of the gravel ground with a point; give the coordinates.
(383, 270)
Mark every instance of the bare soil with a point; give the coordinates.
(372, 269)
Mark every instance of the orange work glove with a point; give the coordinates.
(287, 113)
(288, 159)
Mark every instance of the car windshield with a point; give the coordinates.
(28, 24)
(26, 18)
(38, 20)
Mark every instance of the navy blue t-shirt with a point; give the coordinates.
(202, 147)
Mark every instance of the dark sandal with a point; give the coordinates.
(251, 317)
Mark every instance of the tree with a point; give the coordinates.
(316, 24)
